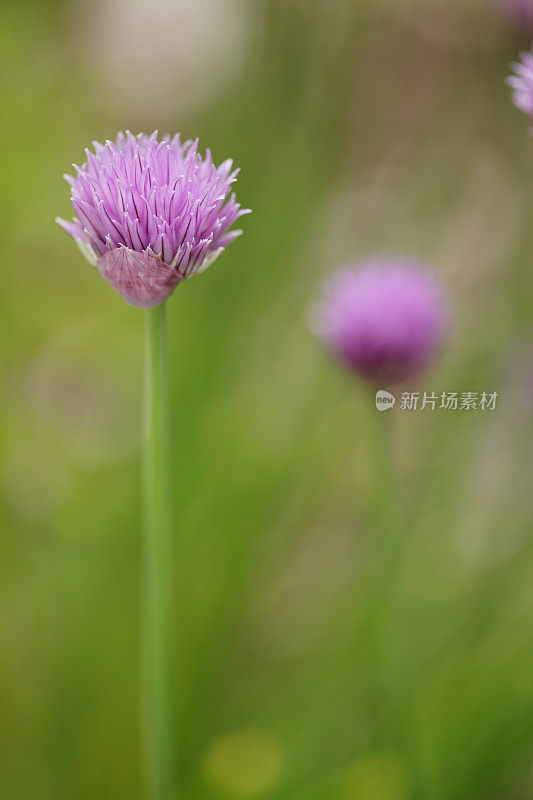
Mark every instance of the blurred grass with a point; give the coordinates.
(358, 127)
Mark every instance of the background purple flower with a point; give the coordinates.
(519, 14)
(521, 83)
(385, 319)
(151, 213)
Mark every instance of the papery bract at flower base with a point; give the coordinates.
(141, 278)
(385, 318)
(151, 213)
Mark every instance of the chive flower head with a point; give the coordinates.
(521, 82)
(385, 318)
(151, 213)
(519, 14)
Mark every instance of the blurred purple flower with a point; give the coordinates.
(522, 83)
(385, 319)
(151, 213)
(519, 13)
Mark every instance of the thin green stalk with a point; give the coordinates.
(385, 483)
(156, 598)
(388, 543)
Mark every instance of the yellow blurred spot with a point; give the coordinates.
(375, 776)
(244, 764)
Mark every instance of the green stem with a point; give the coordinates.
(156, 599)
(388, 544)
(385, 483)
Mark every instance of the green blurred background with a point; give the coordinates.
(360, 126)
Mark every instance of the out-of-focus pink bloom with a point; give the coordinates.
(519, 13)
(151, 213)
(521, 82)
(385, 318)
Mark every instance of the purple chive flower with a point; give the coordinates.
(385, 319)
(151, 213)
(522, 83)
(519, 13)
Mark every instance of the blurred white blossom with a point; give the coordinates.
(162, 57)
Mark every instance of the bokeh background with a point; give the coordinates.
(360, 126)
